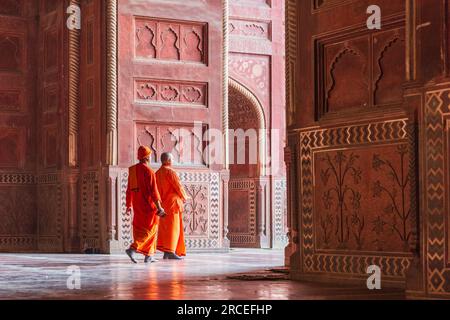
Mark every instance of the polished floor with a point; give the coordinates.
(198, 277)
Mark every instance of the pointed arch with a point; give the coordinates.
(259, 110)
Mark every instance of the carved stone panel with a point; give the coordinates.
(170, 40)
(185, 142)
(12, 147)
(242, 212)
(254, 72)
(50, 213)
(363, 205)
(11, 7)
(201, 215)
(250, 29)
(357, 213)
(18, 225)
(12, 55)
(368, 63)
(91, 227)
(171, 92)
(10, 101)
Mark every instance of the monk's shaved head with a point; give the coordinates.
(166, 157)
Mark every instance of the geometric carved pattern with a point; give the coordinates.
(19, 178)
(172, 92)
(50, 208)
(242, 218)
(393, 264)
(252, 29)
(291, 58)
(90, 217)
(437, 139)
(125, 221)
(280, 214)
(170, 40)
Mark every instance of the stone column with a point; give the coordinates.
(111, 83)
(74, 35)
(225, 122)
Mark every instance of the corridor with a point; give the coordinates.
(201, 276)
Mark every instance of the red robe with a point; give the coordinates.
(171, 232)
(142, 192)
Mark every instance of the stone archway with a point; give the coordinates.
(247, 142)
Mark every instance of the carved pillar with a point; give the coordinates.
(291, 57)
(225, 122)
(74, 88)
(262, 210)
(290, 247)
(111, 73)
(445, 37)
(72, 242)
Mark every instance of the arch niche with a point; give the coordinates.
(247, 151)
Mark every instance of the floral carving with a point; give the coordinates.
(196, 213)
(343, 199)
(397, 211)
(169, 93)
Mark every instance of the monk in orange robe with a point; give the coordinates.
(173, 197)
(144, 199)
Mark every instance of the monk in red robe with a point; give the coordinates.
(144, 199)
(173, 197)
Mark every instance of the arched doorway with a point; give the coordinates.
(247, 216)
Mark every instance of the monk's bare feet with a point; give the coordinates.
(130, 252)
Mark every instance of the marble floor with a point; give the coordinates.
(200, 276)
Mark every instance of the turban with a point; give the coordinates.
(144, 152)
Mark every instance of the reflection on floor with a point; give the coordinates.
(199, 276)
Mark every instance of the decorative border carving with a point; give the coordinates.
(437, 115)
(291, 59)
(280, 211)
(17, 178)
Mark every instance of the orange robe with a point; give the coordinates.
(171, 232)
(142, 192)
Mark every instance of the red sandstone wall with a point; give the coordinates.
(256, 61)
(353, 140)
(367, 143)
(32, 107)
(18, 109)
(170, 75)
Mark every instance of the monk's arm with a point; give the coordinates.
(179, 189)
(153, 191)
(129, 198)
